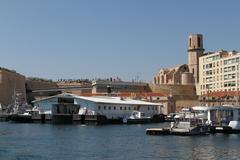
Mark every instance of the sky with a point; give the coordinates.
(130, 39)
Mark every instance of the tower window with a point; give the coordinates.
(199, 42)
(190, 42)
(193, 70)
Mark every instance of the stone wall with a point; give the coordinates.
(39, 84)
(33, 84)
(11, 83)
(174, 89)
(176, 97)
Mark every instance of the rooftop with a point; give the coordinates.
(102, 99)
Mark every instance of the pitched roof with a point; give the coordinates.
(102, 99)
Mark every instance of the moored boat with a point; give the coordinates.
(138, 117)
(184, 126)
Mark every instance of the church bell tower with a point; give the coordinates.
(195, 50)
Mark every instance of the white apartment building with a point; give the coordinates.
(218, 72)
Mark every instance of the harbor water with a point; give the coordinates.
(109, 142)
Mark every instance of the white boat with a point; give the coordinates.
(25, 117)
(137, 117)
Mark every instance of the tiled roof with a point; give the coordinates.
(222, 94)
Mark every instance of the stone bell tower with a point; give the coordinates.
(195, 50)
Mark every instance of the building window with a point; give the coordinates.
(104, 107)
(99, 107)
(148, 108)
(129, 108)
(120, 108)
(109, 108)
(125, 108)
(190, 42)
(114, 108)
(210, 65)
(193, 70)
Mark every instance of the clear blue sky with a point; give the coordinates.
(108, 38)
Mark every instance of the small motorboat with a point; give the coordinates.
(137, 117)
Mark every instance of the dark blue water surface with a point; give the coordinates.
(110, 142)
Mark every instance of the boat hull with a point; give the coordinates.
(21, 118)
(223, 129)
